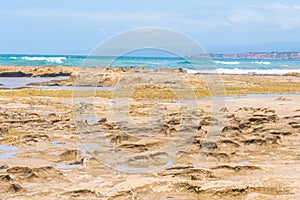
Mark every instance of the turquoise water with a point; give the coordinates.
(192, 65)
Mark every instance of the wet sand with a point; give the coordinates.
(251, 153)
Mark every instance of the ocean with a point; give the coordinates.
(192, 65)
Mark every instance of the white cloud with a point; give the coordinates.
(262, 17)
(284, 17)
(246, 16)
(113, 20)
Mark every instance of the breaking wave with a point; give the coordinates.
(262, 62)
(227, 62)
(47, 59)
(246, 71)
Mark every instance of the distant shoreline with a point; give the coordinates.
(254, 55)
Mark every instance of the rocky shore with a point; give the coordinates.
(111, 76)
(38, 71)
(52, 145)
(255, 156)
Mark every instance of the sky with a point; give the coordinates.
(77, 27)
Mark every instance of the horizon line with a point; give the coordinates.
(87, 55)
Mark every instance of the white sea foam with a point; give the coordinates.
(47, 59)
(191, 71)
(227, 62)
(257, 71)
(246, 71)
(262, 62)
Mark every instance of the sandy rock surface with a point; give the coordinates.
(255, 155)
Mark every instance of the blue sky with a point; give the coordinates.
(76, 26)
